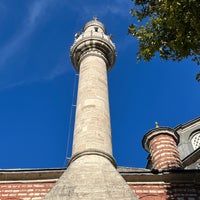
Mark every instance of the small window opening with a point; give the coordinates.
(96, 29)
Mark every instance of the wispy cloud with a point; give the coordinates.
(56, 71)
(34, 15)
(87, 9)
(37, 13)
(13, 85)
(116, 7)
(60, 69)
(120, 8)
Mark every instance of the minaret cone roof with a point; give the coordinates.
(94, 22)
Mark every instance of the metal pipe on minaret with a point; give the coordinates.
(92, 173)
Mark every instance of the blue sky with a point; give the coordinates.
(37, 82)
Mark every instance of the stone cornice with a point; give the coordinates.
(191, 158)
(188, 124)
(93, 152)
(131, 175)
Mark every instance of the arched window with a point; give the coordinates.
(195, 139)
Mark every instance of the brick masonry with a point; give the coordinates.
(164, 152)
(145, 191)
(24, 190)
(161, 143)
(163, 191)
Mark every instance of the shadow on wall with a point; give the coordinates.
(167, 191)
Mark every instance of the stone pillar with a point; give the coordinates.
(161, 143)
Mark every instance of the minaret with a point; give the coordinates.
(92, 174)
(92, 54)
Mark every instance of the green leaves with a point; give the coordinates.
(171, 29)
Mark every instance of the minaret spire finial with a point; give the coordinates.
(95, 18)
(157, 126)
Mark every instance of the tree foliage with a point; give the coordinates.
(170, 28)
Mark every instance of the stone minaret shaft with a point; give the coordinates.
(92, 133)
(91, 174)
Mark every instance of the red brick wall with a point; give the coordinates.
(156, 191)
(164, 152)
(167, 191)
(24, 191)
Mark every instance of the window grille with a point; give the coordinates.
(196, 140)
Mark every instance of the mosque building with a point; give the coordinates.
(173, 166)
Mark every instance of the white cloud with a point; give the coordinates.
(102, 9)
(59, 69)
(116, 7)
(12, 85)
(120, 8)
(34, 15)
(37, 12)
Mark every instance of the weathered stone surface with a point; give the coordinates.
(91, 177)
(92, 123)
